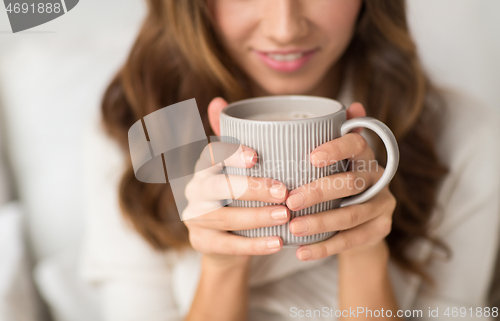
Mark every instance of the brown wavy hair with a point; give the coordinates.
(177, 56)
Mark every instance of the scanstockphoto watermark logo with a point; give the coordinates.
(171, 143)
(27, 14)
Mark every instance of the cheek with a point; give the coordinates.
(336, 18)
(234, 21)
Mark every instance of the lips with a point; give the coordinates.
(286, 57)
(285, 61)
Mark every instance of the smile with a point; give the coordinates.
(285, 61)
(286, 57)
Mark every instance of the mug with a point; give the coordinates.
(284, 130)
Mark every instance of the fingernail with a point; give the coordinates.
(279, 214)
(273, 244)
(247, 157)
(278, 191)
(299, 226)
(295, 201)
(305, 254)
(319, 158)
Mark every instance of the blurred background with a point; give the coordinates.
(52, 78)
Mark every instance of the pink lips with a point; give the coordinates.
(285, 66)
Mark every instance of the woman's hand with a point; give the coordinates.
(208, 220)
(362, 227)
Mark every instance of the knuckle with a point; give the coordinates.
(322, 224)
(349, 176)
(389, 202)
(359, 142)
(367, 238)
(392, 202)
(189, 191)
(194, 239)
(349, 179)
(361, 183)
(316, 191)
(345, 244)
(385, 226)
(336, 150)
(224, 219)
(349, 183)
(322, 251)
(353, 218)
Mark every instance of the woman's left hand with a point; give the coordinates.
(362, 227)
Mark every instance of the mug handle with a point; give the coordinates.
(391, 145)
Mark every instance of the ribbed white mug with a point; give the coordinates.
(284, 147)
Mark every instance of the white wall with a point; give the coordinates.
(459, 42)
(52, 78)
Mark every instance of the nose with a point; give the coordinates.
(283, 21)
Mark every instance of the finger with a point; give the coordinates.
(347, 146)
(216, 155)
(365, 161)
(364, 234)
(243, 157)
(338, 219)
(245, 188)
(356, 110)
(214, 109)
(329, 188)
(216, 242)
(242, 218)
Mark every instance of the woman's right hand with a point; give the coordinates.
(208, 221)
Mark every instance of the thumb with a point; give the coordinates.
(354, 111)
(214, 109)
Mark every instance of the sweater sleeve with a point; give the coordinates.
(468, 217)
(134, 281)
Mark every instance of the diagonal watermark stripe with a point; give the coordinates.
(173, 139)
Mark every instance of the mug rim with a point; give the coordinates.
(284, 97)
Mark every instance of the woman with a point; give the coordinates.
(218, 51)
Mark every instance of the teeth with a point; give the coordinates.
(287, 57)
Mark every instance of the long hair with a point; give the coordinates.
(177, 56)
